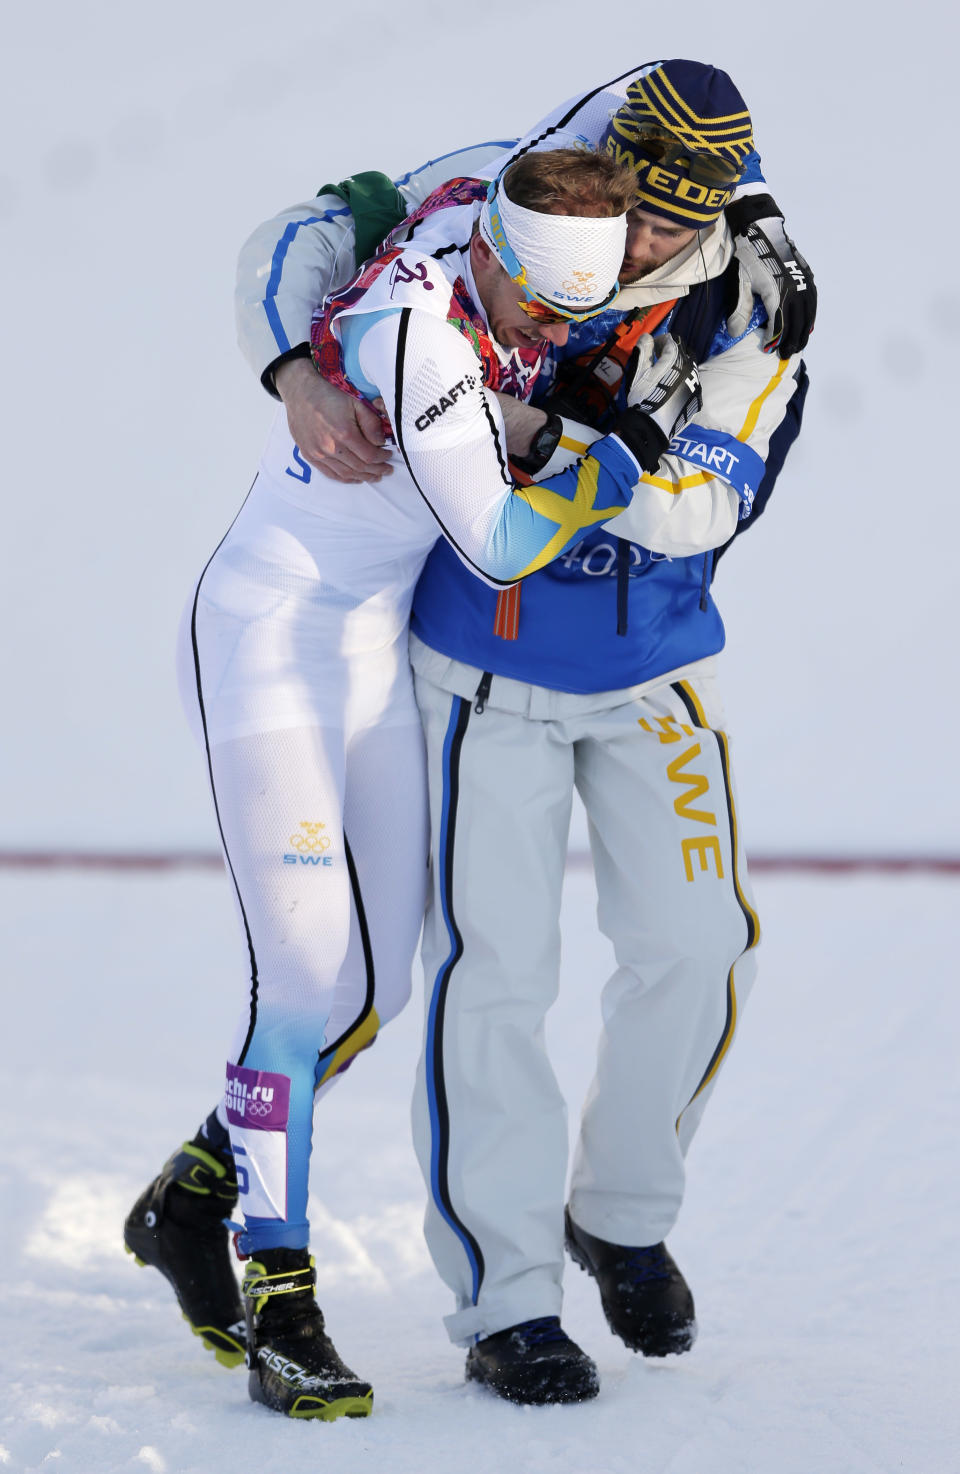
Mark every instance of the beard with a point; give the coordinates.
(632, 273)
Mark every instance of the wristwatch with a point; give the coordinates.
(542, 446)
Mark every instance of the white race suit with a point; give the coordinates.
(294, 666)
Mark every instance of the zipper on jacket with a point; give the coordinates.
(623, 584)
(483, 692)
(704, 583)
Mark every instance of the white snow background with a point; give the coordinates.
(819, 1232)
(139, 148)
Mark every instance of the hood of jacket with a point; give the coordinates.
(708, 255)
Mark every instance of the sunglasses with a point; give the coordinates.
(665, 148)
(542, 310)
(539, 312)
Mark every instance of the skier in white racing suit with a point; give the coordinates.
(293, 663)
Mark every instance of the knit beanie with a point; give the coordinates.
(686, 131)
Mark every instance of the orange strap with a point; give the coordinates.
(506, 621)
(656, 314)
(629, 333)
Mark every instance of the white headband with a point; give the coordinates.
(569, 262)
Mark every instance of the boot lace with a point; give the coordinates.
(645, 1265)
(539, 1332)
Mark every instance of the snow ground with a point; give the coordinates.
(818, 1232)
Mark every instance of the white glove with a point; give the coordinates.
(664, 394)
(772, 269)
(665, 384)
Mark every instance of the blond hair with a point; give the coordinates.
(571, 181)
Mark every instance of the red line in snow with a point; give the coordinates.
(760, 864)
(851, 864)
(110, 860)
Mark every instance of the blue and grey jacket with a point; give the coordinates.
(613, 613)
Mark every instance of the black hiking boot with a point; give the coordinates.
(645, 1298)
(294, 1366)
(177, 1226)
(534, 1362)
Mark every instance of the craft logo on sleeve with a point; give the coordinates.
(446, 401)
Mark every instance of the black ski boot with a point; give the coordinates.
(645, 1298)
(534, 1362)
(294, 1366)
(177, 1226)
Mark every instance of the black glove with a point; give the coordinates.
(664, 394)
(776, 271)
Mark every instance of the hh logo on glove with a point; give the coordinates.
(664, 395)
(774, 271)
